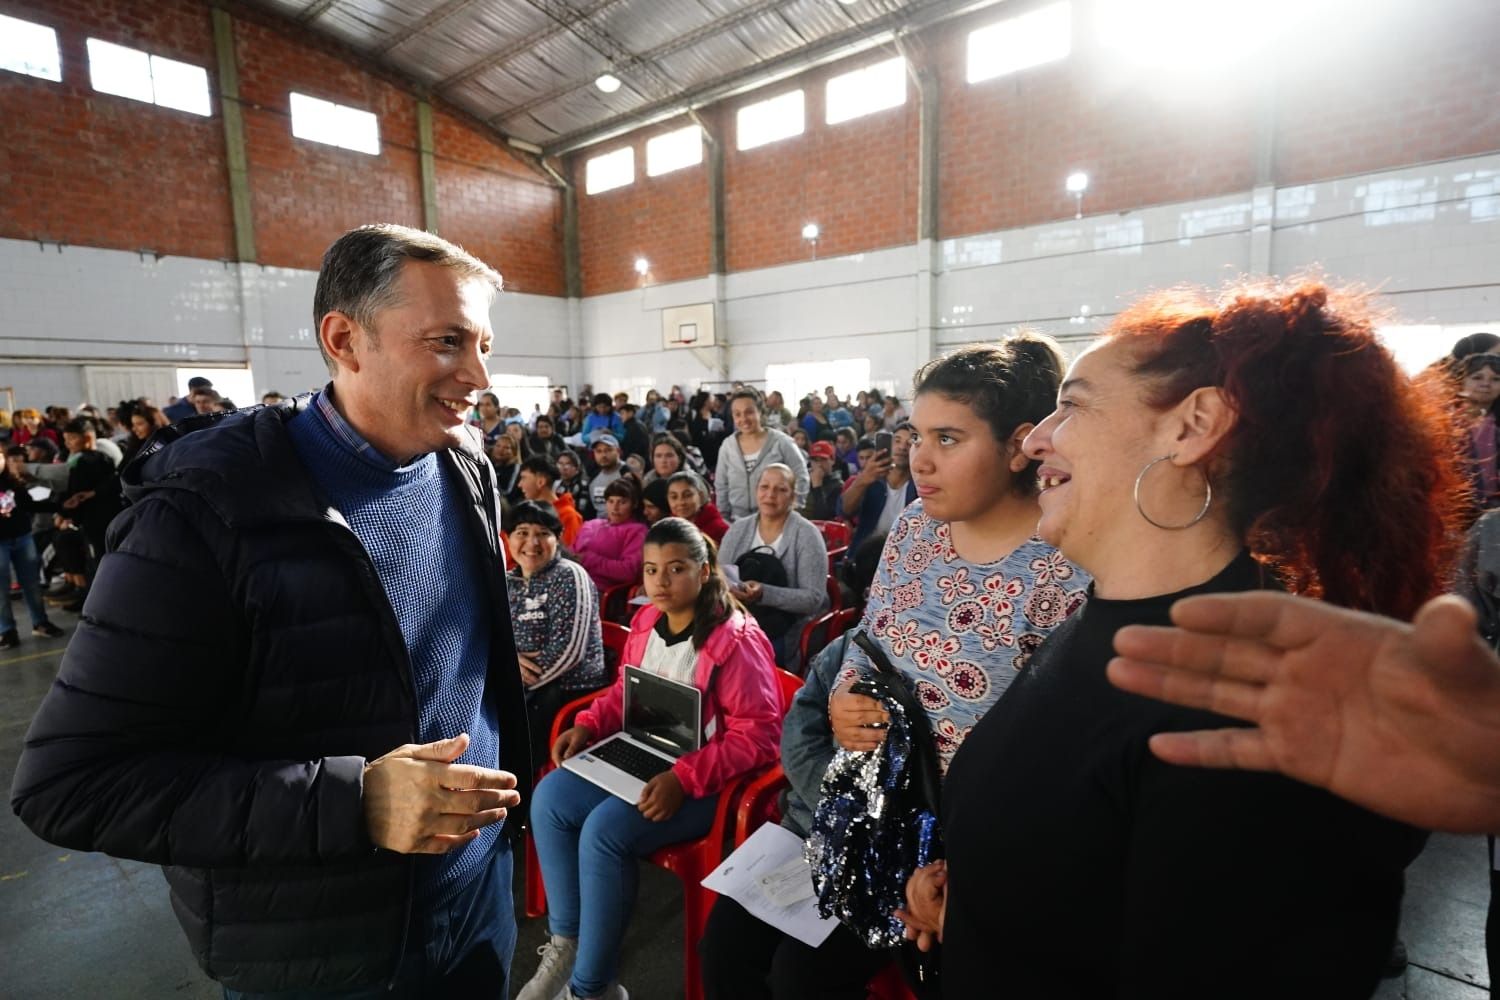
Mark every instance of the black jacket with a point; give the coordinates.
(236, 665)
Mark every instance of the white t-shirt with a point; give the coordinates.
(674, 661)
(751, 461)
(777, 546)
(895, 503)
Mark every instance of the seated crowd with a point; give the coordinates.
(979, 805)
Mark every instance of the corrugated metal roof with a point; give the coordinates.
(528, 66)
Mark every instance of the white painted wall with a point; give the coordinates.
(61, 308)
(1426, 237)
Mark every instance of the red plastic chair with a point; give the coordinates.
(614, 604)
(889, 985)
(820, 632)
(836, 534)
(691, 862)
(835, 594)
(836, 556)
(536, 895)
(615, 637)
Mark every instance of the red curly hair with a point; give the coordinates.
(1339, 472)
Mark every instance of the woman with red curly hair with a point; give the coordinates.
(1261, 440)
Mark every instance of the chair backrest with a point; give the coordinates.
(615, 637)
(835, 593)
(790, 685)
(815, 635)
(614, 604)
(836, 556)
(835, 533)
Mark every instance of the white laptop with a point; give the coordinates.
(662, 722)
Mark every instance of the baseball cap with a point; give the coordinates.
(608, 439)
(821, 449)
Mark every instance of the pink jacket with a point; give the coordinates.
(611, 552)
(737, 670)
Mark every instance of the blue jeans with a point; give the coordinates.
(588, 842)
(461, 949)
(21, 553)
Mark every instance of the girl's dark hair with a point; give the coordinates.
(686, 475)
(715, 604)
(670, 440)
(535, 512)
(750, 394)
(625, 487)
(1007, 384)
(1338, 471)
(1474, 343)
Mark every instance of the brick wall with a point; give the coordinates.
(1362, 90)
(97, 170)
(663, 219)
(91, 169)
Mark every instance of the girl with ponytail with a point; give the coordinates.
(694, 632)
(1263, 439)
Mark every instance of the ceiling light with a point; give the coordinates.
(1077, 182)
(607, 82)
(810, 231)
(642, 265)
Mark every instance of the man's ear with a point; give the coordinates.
(342, 339)
(1198, 424)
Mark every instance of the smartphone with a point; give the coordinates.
(883, 441)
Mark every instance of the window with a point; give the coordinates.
(769, 121)
(334, 124)
(29, 48)
(673, 151)
(610, 171)
(1041, 36)
(866, 91)
(795, 381)
(115, 69)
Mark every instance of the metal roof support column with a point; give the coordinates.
(428, 166)
(929, 254)
(234, 136)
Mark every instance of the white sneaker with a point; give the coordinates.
(614, 992)
(551, 979)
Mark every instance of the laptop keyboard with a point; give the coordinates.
(631, 759)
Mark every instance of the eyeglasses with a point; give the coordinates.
(1474, 362)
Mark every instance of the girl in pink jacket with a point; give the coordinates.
(609, 547)
(588, 840)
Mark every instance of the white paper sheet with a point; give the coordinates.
(768, 877)
(39, 493)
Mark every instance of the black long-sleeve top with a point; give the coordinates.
(1081, 865)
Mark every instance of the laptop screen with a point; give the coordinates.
(662, 714)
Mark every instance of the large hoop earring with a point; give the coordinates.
(1208, 498)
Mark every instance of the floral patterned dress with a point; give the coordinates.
(960, 631)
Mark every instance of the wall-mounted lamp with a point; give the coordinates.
(1077, 183)
(642, 266)
(810, 233)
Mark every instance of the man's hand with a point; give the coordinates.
(1401, 719)
(858, 721)
(530, 672)
(571, 742)
(662, 797)
(875, 469)
(418, 802)
(926, 905)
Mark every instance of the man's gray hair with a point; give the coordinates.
(362, 267)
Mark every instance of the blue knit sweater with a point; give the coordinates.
(411, 521)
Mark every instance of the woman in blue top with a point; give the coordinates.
(965, 591)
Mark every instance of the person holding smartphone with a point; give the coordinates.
(882, 489)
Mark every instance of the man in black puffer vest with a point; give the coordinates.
(294, 685)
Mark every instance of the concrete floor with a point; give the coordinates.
(87, 926)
